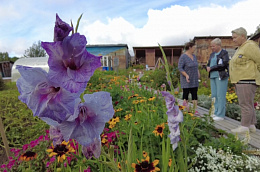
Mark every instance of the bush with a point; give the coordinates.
(2, 84)
(138, 66)
(158, 77)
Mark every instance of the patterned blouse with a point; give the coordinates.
(191, 68)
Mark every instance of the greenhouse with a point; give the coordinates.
(41, 62)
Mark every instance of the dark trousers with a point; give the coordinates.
(193, 91)
(246, 95)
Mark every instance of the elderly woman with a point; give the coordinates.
(188, 67)
(245, 74)
(218, 72)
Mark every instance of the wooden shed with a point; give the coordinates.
(150, 55)
(203, 50)
(113, 55)
(5, 69)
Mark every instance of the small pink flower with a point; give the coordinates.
(46, 137)
(34, 143)
(25, 147)
(197, 113)
(3, 166)
(106, 129)
(40, 138)
(88, 170)
(48, 164)
(15, 151)
(53, 159)
(10, 164)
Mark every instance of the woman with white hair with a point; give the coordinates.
(218, 73)
(245, 74)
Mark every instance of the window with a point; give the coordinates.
(106, 60)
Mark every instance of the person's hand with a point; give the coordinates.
(187, 78)
(208, 69)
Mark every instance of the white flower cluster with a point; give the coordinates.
(209, 159)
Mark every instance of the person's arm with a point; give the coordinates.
(186, 76)
(181, 65)
(253, 53)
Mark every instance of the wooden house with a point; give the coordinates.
(151, 55)
(5, 69)
(113, 55)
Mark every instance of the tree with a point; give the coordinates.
(4, 56)
(35, 50)
(257, 29)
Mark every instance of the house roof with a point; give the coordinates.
(153, 47)
(104, 49)
(211, 37)
(6, 62)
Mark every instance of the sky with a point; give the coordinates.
(132, 22)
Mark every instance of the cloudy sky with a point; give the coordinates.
(131, 22)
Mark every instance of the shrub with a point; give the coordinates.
(2, 84)
(211, 159)
(138, 66)
(158, 77)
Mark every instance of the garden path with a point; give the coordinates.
(227, 124)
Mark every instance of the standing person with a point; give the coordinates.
(245, 74)
(218, 73)
(188, 67)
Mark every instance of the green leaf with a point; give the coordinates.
(76, 30)
(72, 26)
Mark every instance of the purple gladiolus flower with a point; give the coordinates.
(175, 116)
(69, 62)
(46, 99)
(61, 29)
(94, 149)
(55, 135)
(89, 118)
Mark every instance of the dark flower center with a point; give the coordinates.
(29, 154)
(60, 149)
(160, 129)
(144, 165)
(56, 89)
(70, 64)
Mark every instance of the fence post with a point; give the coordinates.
(7, 150)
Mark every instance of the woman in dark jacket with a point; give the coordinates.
(218, 72)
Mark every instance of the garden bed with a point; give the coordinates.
(138, 130)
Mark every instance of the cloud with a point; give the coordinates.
(168, 25)
(176, 24)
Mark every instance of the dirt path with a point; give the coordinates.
(3, 157)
